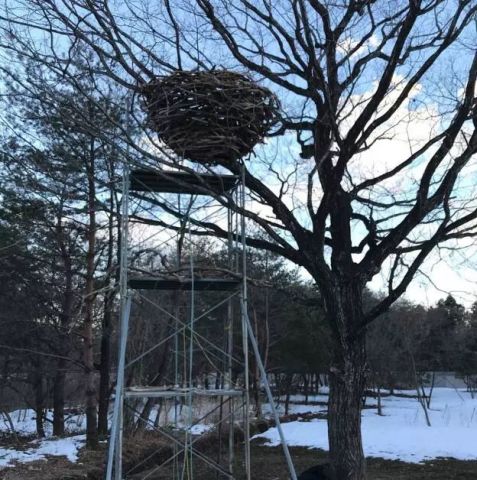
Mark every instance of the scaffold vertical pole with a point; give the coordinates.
(230, 340)
(244, 302)
(116, 433)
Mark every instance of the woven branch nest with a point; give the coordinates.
(210, 117)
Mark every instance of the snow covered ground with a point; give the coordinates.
(402, 433)
(24, 424)
(39, 449)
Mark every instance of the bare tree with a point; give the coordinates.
(352, 75)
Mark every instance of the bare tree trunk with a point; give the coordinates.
(59, 398)
(471, 385)
(8, 420)
(347, 381)
(106, 328)
(278, 389)
(417, 383)
(158, 414)
(256, 371)
(88, 334)
(39, 400)
(344, 412)
(144, 418)
(131, 406)
(317, 383)
(305, 387)
(65, 322)
(288, 385)
(105, 366)
(431, 390)
(256, 394)
(380, 407)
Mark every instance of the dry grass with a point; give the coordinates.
(267, 464)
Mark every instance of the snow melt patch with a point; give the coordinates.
(402, 433)
(39, 449)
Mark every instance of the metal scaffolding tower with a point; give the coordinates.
(222, 293)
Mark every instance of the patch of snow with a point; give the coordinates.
(401, 433)
(24, 422)
(39, 449)
(200, 429)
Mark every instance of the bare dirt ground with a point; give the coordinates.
(267, 464)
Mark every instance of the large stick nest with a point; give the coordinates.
(211, 117)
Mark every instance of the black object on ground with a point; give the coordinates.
(318, 472)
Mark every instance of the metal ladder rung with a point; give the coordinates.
(174, 283)
(181, 182)
(164, 392)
